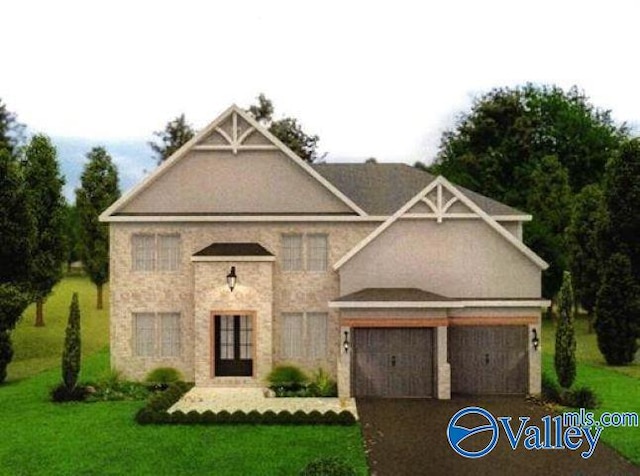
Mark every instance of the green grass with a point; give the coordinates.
(39, 348)
(617, 388)
(40, 437)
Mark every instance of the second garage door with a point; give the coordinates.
(488, 360)
(392, 362)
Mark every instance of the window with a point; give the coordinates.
(292, 252)
(151, 252)
(317, 252)
(304, 335)
(156, 335)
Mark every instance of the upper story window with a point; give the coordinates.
(151, 252)
(304, 252)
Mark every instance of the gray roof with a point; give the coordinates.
(391, 294)
(381, 189)
(233, 249)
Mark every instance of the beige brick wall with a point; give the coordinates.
(160, 291)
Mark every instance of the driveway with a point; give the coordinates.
(410, 437)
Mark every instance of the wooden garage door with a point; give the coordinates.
(488, 360)
(392, 362)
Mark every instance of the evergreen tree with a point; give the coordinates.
(72, 347)
(565, 356)
(176, 133)
(11, 131)
(582, 242)
(44, 187)
(618, 311)
(98, 190)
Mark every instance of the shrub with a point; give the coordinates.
(287, 378)
(110, 387)
(565, 355)
(6, 353)
(156, 409)
(62, 393)
(72, 347)
(582, 397)
(550, 389)
(163, 375)
(323, 385)
(328, 466)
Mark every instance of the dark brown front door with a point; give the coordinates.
(233, 345)
(488, 360)
(393, 362)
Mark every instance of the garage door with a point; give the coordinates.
(488, 360)
(392, 362)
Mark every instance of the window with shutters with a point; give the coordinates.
(156, 334)
(155, 252)
(304, 335)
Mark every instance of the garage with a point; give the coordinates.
(488, 360)
(392, 362)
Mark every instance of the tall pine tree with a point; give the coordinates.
(44, 187)
(98, 190)
(565, 356)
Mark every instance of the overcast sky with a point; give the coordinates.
(378, 79)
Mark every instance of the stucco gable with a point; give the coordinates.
(233, 166)
(438, 201)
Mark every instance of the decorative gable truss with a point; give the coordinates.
(235, 134)
(441, 200)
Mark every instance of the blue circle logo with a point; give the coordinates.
(457, 434)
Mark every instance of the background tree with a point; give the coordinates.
(617, 311)
(565, 355)
(98, 190)
(11, 130)
(16, 245)
(287, 130)
(44, 187)
(73, 233)
(72, 347)
(582, 245)
(550, 196)
(176, 133)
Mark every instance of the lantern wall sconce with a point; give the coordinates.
(345, 342)
(535, 341)
(232, 278)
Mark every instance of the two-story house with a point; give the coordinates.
(235, 255)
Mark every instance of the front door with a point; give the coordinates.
(233, 346)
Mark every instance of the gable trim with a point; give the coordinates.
(193, 144)
(440, 180)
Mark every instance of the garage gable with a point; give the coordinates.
(441, 201)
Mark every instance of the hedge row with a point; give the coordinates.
(155, 412)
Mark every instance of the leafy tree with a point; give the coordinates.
(98, 190)
(176, 133)
(73, 233)
(565, 356)
(582, 241)
(16, 245)
(618, 311)
(550, 196)
(72, 347)
(495, 147)
(44, 186)
(11, 130)
(622, 202)
(287, 130)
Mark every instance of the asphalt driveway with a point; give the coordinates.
(409, 437)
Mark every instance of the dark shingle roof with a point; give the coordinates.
(391, 294)
(233, 249)
(381, 189)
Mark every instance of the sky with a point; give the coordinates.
(372, 79)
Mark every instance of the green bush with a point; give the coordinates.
(62, 393)
(110, 387)
(322, 385)
(156, 409)
(582, 397)
(163, 375)
(550, 389)
(328, 466)
(287, 378)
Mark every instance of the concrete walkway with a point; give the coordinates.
(217, 399)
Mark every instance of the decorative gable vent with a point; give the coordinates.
(235, 134)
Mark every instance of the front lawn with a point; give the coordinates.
(618, 388)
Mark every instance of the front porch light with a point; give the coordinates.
(345, 343)
(535, 341)
(232, 278)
